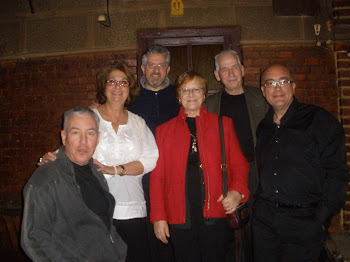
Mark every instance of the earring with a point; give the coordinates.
(179, 101)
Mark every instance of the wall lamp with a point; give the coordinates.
(105, 19)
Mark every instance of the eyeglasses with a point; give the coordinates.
(271, 83)
(187, 91)
(122, 83)
(154, 66)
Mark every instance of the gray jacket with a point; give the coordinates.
(257, 109)
(58, 226)
(256, 104)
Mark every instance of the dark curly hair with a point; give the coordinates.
(103, 75)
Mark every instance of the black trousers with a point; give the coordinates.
(134, 233)
(159, 251)
(286, 234)
(202, 243)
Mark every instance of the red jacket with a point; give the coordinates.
(167, 180)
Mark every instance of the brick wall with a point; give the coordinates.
(35, 92)
(33, 95)
(343, 80)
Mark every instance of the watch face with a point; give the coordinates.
(122, 172)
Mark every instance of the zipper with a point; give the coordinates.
(111, 238)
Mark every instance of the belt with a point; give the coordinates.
(281, 205)
(250, 158)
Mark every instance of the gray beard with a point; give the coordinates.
(156, 84)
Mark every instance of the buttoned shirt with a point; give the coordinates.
(302, 160)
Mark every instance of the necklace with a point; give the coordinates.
(194, 143)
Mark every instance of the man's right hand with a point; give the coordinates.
(161, 230)
(49, 156)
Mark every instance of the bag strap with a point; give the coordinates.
(223, 158)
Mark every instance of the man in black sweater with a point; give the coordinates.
(156, 104)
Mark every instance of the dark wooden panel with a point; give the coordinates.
(295, 7)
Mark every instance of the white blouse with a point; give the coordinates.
(133, 142)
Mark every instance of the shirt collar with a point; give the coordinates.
(290, 111)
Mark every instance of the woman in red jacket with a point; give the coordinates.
(187, 204)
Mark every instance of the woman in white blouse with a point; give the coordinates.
(127, 150)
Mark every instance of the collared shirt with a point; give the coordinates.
(302, 161)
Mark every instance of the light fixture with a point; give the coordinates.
(317, 28)
(104, 19)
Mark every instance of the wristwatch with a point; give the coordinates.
(122, 171)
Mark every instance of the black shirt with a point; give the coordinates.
(235, 107)
(194, 180)
(95, 197)
(302, 161)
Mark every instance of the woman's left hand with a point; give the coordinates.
(110, 170)
(231, 201)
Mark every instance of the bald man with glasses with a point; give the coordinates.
(302, 166)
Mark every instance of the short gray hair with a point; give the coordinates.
(79, 110)
(223, 53)
(158, 50)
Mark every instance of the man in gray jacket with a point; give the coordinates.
(247, 107)
(67, 207)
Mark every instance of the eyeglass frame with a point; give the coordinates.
(162, 66)
(274, 83)
(196, 91)
(120, 83)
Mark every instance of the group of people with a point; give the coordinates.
(139, 177)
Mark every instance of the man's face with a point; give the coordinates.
(81, 138)
(230, 73)
(279, 97)
(156, 70)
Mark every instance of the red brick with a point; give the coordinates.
(346, 91)
(312, 61)
(344, 73)
(343, 82)
(285, 54)
(344, 63)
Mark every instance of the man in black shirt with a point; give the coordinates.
(247, 107)
(301, 160)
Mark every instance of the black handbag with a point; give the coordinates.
(240, 216)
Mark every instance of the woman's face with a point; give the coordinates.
(191, 95)
(117, 87)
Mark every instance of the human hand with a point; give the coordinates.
(231, 201)
(48, 157)
(161, 230)
(109, 170)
